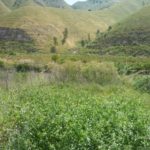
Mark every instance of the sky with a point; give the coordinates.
(73, 1)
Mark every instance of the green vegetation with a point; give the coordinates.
(142, 83)
(65, 36)
(74, 105)
(53, 49)
(26, 67)
(129, 68)
(130, 37)
(93, 72)
(1, 64)
(9, 47)
(62, 117)
(43, 23)
(62, 90)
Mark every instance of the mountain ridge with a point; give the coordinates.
(101, 4)
(93, 4)
(13, 4)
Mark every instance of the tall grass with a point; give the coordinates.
(93, 72)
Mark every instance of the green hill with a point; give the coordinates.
(131, 36)
(42, 24)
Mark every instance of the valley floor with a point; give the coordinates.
(74, 102)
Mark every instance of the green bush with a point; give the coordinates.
(25, 67)
(55, 58)
(132, 68)
(69, 118)
(53, 49)
(2, 64)
(142, 84)
(101, 73)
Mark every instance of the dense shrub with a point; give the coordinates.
(142, 83)
(133, 68)
(13, 47)
(55, 58)
(120, 50)
(66, 118)
(1, 64)
(53, 49)
(24, 67)
(101, 73)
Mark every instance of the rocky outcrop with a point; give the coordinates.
(15, 40)
(14, 34)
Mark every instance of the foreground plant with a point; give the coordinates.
(70, 118)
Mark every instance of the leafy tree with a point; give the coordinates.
(55, 58)
(89, 37)
(82, 42)
(55, 41)
(97, 33)
(65, 36)
(53, 49)
(109, 28)
(1, 64)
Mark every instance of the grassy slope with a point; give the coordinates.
(44, 23)
(49, 22)
(134, 31)
(139, 21)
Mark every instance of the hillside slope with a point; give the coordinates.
(3, 8)
(131, 36)
(42, 24)
(46, 3)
